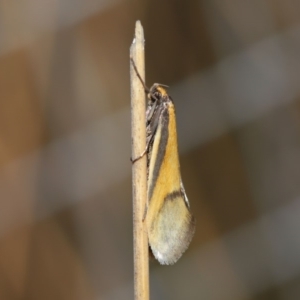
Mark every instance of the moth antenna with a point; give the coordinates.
(163, 85)
(147, 90)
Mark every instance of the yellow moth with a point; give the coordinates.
(170, 224)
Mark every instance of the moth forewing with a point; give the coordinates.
(169, 221)
(171, 231)
(170, 224)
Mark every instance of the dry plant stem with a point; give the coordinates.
(139, 168)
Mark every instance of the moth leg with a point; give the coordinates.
(149, 138)
(140, 156)
(150, 130)
(150, 112)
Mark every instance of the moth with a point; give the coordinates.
(170, 224)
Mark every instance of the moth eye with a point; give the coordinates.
(157, 94)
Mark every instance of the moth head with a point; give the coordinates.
(157, 91)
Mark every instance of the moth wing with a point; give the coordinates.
(170, 224)
(171, 231)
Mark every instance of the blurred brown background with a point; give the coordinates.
(65, 175)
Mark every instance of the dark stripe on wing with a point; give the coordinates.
(174, 195)
(164, 119)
